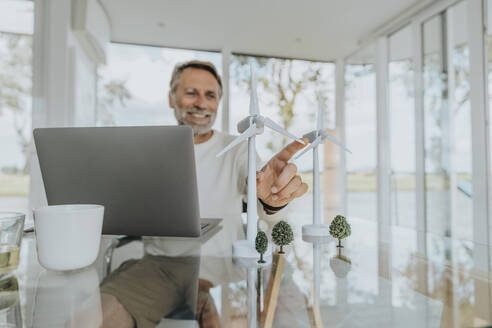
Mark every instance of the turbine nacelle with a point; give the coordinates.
(311, 136)
(246, 122)
(318, 137)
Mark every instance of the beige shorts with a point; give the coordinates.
(155, 287)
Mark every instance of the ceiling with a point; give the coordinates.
(309, 29)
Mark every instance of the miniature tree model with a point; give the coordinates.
(261, 245)
(340, 229)
(282, 235)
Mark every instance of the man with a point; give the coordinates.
(195, 92)
(196, 89)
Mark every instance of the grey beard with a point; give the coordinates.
(180, 115)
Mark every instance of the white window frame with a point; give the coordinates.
(383, 144)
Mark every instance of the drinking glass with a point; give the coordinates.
(11, 229)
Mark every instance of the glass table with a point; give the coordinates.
(196, 283)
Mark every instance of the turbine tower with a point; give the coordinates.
(316, 138)
(249, 128)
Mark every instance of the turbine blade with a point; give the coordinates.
(253, 98)
(242, 137)
(274, 126)
(334, 140)
(320, 117)
(308, 148)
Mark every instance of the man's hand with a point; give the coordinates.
(277, 183)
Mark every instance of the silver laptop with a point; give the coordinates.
(144, 176)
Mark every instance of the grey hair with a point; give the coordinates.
(204, 65)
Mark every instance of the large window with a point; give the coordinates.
(361, 135)
(16, 24)
(287, 91)
(448, 124)
(402, 128)
(133, 87)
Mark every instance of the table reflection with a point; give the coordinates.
(10, 311)
(397, 283)
(340, 264)
(68, 299)
(159, 290)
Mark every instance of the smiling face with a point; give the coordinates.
(196, 99)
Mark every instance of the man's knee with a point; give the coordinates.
(114, 313)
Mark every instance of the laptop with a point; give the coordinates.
(144, 176)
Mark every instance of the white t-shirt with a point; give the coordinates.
(221, 188)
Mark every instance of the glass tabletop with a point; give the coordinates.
(196, 283)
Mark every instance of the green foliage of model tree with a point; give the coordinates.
(261, 245)
(340, 229)
(282, 235)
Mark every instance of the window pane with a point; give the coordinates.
(436, 130)
(402, 128)
(287, 94)
(133, 87)
(15, 103)
(361, 136)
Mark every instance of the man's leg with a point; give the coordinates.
(139, 294)
(114, 313)
(207, 314)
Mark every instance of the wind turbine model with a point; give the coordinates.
(315, 138)
(248, 128)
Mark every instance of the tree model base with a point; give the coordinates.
(251, 263)
(316, 230)
(244, 249)
(317, 239)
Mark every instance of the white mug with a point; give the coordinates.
(68, 236)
